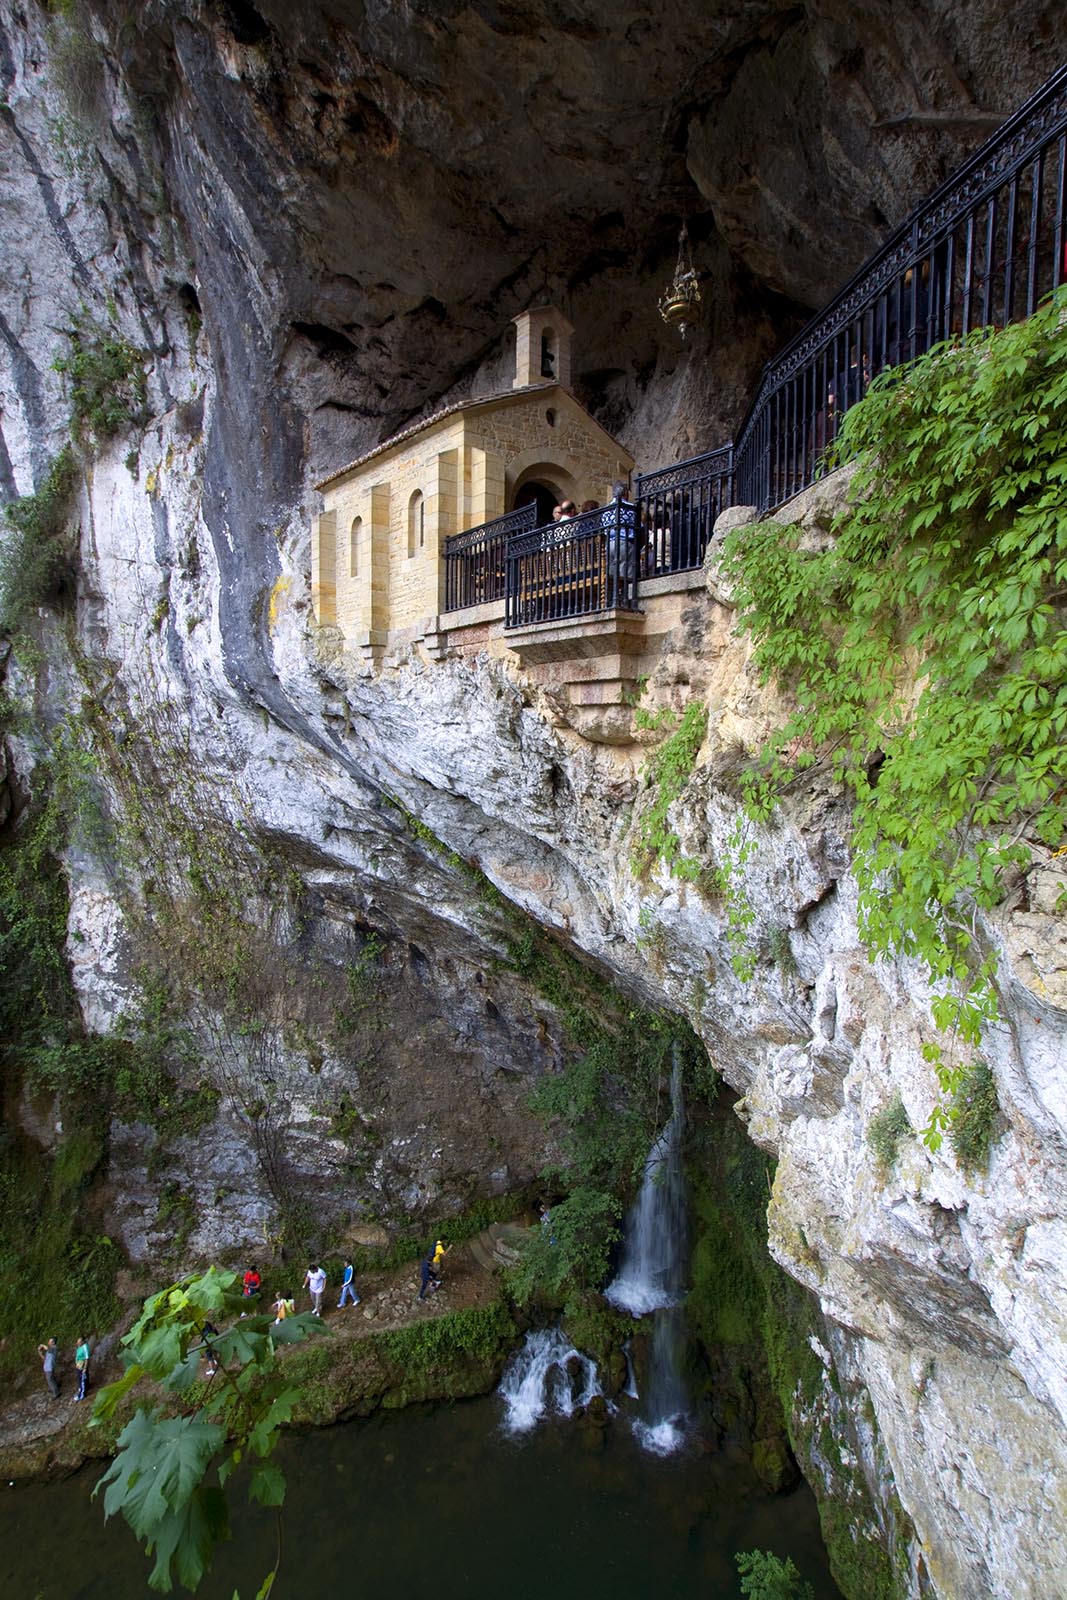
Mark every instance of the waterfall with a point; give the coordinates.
(547, 1375)
(651, 1272)
(651, 1276)
(631, 1376)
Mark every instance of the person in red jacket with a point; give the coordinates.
(252, 1282)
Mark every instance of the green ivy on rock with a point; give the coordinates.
(926, 654)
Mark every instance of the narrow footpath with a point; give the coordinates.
(40, 1436)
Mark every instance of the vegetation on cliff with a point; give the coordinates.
(107, 381)
(926, 655)
(37, 557)
(56, 1270)
(607, 1101)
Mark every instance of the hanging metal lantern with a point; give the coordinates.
(682, 296)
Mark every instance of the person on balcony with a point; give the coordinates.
(561, 516)
(617, 522)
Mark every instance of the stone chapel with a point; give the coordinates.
(377, 552)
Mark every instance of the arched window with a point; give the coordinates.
(548, 353)
(353, 546)
(416, 522)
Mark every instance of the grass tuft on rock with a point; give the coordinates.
(975, 1109)
(885, 1131)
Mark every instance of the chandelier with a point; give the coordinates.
(682, 296)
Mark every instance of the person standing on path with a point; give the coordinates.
(81, 1361)
(428, 1279)
(348, 1288)
(315, 1283)
(283, 1308)
(48, 1353)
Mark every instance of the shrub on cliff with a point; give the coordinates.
(37, 554)
(765, 1577)
(107, 381)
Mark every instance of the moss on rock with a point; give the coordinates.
(449, 1357)
(763, 1381)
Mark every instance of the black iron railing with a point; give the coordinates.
(572, 568)
(676, 511)
(476, 561)
(984, 249)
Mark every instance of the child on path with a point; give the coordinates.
(81, 1361)
(348, 1287)
(283, 1308)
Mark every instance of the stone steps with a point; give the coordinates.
(496, 1246)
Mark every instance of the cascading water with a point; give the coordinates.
(651, 1277)
(547, 1374)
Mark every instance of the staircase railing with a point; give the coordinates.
(984, 249)
(676, 510)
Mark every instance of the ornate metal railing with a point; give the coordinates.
(585, 564)
(984, 249)
(476, 561)
(676, 511)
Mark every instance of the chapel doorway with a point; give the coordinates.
(543, 495)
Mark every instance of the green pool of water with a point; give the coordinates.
(439, 1505)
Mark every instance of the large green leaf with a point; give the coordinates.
(267, 1485)
(157, 1468)
(186, 1539)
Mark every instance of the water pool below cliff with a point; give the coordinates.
(438, 1505)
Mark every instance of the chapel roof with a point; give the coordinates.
(464, 405)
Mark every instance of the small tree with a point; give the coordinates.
(159, 1479)
(765, 1577)
(570, 1252)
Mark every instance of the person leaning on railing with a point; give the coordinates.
(618, 523)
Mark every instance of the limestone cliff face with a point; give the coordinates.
(316, 229)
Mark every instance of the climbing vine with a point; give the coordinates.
(667, 771)
(926, 654)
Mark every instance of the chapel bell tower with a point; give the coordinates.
(542, 348)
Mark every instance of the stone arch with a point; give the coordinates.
(355, 535)
(546, 466)
(545, 496)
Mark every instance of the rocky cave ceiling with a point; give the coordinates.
(370, 191)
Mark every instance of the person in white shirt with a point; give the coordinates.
(315, 1283)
